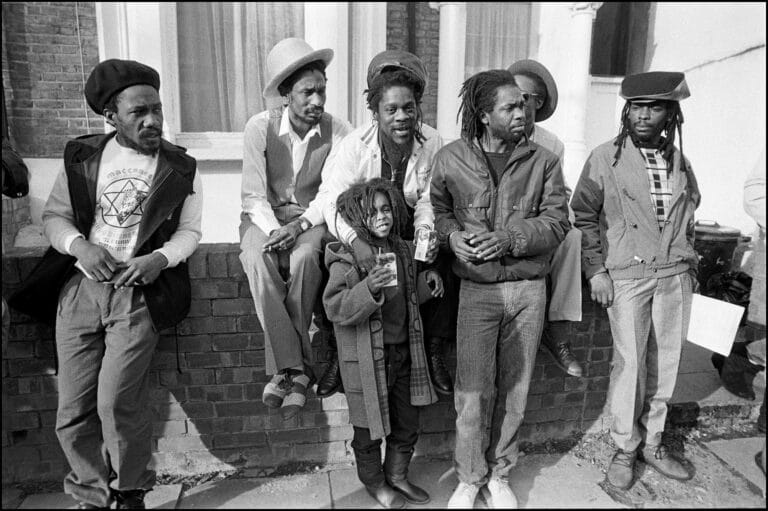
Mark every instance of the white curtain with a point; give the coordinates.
(497, 35)
(222, 59)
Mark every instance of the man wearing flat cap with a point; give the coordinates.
(122, 218)
(564, 279)
(285, 151)
(634, 204)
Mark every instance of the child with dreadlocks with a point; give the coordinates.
(379, 336)
(634, 204)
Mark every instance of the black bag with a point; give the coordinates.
(15, 173)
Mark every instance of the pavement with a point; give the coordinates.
(726, 475)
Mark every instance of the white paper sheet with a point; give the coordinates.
(714, 324)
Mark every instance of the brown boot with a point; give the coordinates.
(659, 457)
(621, 472)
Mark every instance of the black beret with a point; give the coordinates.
(655, 86)
(112, 76)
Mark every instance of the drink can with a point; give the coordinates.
(388, 260)
(423, 239)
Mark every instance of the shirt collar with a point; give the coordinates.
(287, 129)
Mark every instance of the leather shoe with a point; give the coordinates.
(561, 353)
(441, 378)
(385, 495)
(330, 381)
(659, 457)
(621, 471)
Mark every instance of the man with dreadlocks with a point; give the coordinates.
(500, 205)
(399, 147)
(634, 205)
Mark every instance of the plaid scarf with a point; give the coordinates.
(658, 177)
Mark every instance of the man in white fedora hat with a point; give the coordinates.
(564, 279)
(285, 150)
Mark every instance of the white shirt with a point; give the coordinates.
(254, 180)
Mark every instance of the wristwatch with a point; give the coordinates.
(304, 224)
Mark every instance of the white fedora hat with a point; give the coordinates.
(288, 56)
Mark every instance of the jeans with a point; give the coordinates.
(496, 342)
(403, 416)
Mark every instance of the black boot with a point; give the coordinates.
(370, 473)
(396, 472)
(330, 381)
(555, 340)
(441, 379)
(130, 499)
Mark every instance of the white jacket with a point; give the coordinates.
(358, 158)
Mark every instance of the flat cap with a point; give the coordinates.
(655, 86)
(112, 76)
(398, 59)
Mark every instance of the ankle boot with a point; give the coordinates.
(371, 474)
(441, 379)
(330, 381)
(396, 473)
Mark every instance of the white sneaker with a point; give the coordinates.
(499, 495)
(463, 496)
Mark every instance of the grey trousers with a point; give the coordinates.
(284, 307)
(649, 322)
(104, 341)
(565, 275)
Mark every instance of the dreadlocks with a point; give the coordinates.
(387, 79)
(478, 95)
(674, 122)
(355, 206)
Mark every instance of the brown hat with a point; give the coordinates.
(112, 76)
(288, 56)
(531, 66)
(654, 86)
(398, 59)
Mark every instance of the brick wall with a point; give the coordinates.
(43, 61)
(426, 27)
(210, 417)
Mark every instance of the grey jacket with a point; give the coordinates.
(620, 232)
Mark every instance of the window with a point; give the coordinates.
(619, 39)
(222, 50)
(497, 35)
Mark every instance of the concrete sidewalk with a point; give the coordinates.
(726, 473)
(726, 477)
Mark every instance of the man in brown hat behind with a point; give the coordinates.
(122, 218)
(564, 279)
(634, 204)
(285, 150)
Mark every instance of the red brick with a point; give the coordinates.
(216, 425)
(18, 421)
(232, 307)
(239, 440)
(213, 359)
(249, 324)
(239, 375)
(31, 367)
(188, 377)
(232, 342)
(217, 265)
(234, 266)
(214, 288)
(242, 408)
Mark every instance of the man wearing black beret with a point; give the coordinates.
(634, 204)
(122, 218)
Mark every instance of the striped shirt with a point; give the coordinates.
(658, 177)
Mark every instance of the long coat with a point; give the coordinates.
(357, 322)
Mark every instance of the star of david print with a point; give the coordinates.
(122, 201)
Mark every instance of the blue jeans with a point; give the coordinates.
(496, 342)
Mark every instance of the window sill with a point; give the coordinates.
(212, 146)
